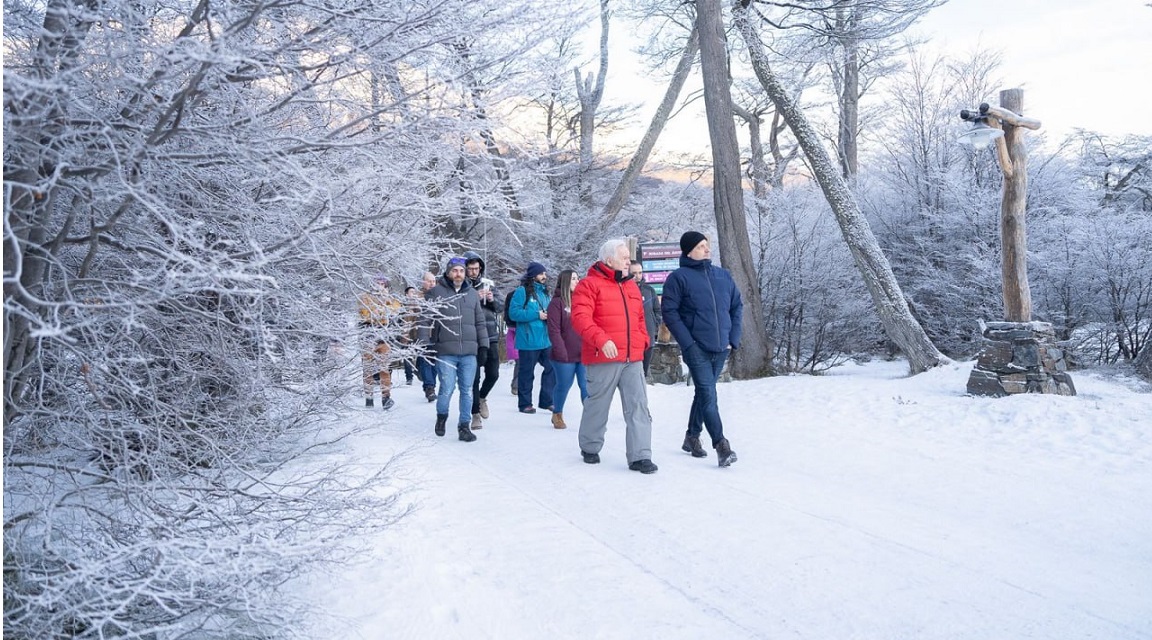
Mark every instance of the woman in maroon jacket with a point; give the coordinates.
(566, 346)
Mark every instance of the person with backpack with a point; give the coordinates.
(510, 343)
(529, 308)
(377, 309)
(488, 359)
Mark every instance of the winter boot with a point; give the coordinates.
(387, 403)
(644, 466)
(692, 445)
(368, 402)
(558, 421)
(441, 421)
(466, 434)
(484, 408)
(430, 393)
(724, 453)
(477, 422)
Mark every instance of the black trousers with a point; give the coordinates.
(491, 370)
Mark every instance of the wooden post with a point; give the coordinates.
(1014, 198)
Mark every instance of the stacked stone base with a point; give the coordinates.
(1020, 357)
(665, 365)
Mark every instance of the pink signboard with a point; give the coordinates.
(659, 259)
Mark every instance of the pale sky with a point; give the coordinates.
(1082, 64)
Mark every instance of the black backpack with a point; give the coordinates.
(528, 294)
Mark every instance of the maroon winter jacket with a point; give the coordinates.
(605, 309)
(566, 343)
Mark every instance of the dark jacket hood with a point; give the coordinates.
(469, 256)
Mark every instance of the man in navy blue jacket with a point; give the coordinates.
(703, 310)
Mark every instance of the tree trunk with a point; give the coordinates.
(499, 164)
(758, 169)
(901, 327)
(1143, 362)
(590, 90)
(754, 358)
(659, 119)
(28, 205)
(846, 139)
(1014, 199)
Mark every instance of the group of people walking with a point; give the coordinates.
(594, 332)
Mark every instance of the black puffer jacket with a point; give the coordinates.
(492, 308)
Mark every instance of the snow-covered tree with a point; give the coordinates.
(194, 194)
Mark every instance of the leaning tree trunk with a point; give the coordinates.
(628, 180)
(901, 327)
(754, 358)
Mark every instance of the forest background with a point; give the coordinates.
(195, 194)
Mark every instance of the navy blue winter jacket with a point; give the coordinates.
(702, 306)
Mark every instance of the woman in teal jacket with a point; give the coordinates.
(529, 309)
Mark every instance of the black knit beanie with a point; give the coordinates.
(689, 240)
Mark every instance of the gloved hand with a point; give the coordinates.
(481, 356)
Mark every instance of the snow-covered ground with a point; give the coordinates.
(865, 504)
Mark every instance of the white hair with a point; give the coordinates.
(608, 249)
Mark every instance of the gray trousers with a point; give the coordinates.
(603, 381)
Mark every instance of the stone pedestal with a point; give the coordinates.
(665, 366)
(1020, 357)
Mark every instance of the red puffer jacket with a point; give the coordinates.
(604, 309)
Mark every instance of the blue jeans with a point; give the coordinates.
(456, 371)
(527, 363)
(705, 368)
(566, 372)
(427, 371)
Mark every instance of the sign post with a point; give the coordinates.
(660, 259)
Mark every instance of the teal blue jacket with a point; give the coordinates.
(531, 331)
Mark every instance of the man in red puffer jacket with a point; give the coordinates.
(608, 313)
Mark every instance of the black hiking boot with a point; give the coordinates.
(367, 402)
(590, 458)
(387, 403)
(441, 421)
(644, 466)
(466, 434)
(724, 453)
(430, 393)
(692, 445)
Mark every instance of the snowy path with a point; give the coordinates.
(864, 505)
